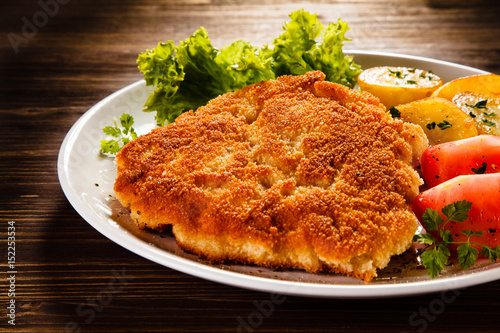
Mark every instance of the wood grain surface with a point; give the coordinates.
(80, 52)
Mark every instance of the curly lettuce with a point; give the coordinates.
(189, 75)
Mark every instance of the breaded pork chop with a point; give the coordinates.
(291, 173)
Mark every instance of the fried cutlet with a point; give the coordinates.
(290, 173)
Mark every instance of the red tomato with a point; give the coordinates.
(447, 160)
(484, 193)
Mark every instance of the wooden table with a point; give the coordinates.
(60, 58)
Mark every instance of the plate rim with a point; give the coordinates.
(247, 281)
(413, 57)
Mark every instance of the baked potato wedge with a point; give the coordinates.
(487, 85)
(398, 85)
(441, 120)
(484, 111)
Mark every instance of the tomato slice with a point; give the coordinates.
(463, 157)
(484, 193)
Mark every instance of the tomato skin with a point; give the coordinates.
(484, 193)
(447, 160)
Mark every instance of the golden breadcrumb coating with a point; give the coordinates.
(290, 173)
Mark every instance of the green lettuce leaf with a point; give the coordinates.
(189, 75)
(297, 50)
(328, 56)
(298, 38)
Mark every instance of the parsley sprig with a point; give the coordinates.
(443, 125)
(395, 113)
(479, 105)
(123, 135)
(489, 123)
(397, 74)
(435, 254)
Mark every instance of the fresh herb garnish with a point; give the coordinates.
(397, 74)
(428, 77)
(435, 254)
(472, 114)
(411, 81)
(489, 123)
(395, 113)
(479, 105)
(491, 114)
(123, 136)
(481, 169)
(444, 125)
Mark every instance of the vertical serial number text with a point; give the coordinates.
(11, 272)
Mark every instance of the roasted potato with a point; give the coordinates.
(398, 85)
(484, 111)
(441, 120)
(487, 85)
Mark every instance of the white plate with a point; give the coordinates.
(87, 180)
